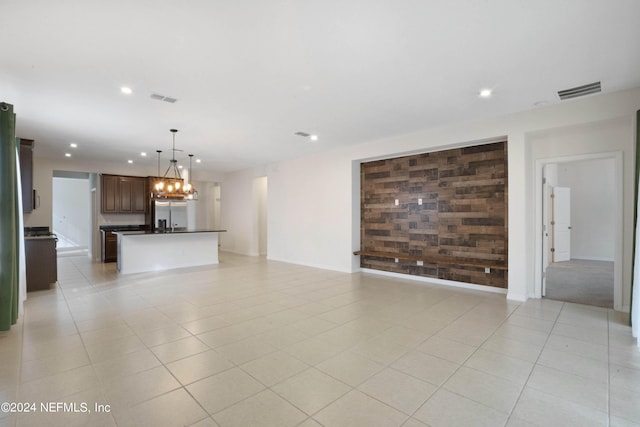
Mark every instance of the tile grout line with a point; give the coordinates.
(152, 303)
(555, 322)
(441, 386)
(84, 347)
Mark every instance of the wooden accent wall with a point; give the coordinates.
(459, 229)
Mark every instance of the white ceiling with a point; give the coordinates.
(248, 74)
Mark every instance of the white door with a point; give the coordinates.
(561, 224)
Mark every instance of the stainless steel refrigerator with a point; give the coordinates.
(172, 214)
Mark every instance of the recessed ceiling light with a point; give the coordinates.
(313, 137)
(73, 145)
(485, 93)
(126, 90)
(143, 154)
(67, 154)
(198, 161)
(129, 161)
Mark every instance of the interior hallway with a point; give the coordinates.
(255, 342)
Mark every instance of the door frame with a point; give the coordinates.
(618, 209)
(555, 222)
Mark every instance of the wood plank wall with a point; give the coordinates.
(459, 229)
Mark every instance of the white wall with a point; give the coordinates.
(206, 210)
(71, 209)
(593, 199)
(260, 212)
(313, 202)
(238, 212)
(43, 184)
(309, 211)
(594, 138)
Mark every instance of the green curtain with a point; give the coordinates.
(9, 217)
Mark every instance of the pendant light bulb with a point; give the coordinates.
(175, 186)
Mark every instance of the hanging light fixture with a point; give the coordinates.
(159, 186)
(170, 185)
(189, 189)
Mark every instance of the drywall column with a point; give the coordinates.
(355, 213)
(519, 216)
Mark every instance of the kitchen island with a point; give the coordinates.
(141, 251)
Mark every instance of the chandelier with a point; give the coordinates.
(171, 184)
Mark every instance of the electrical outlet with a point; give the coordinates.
(397, 202)
(397, 260)
(420, 262)
(419, 201)
(487, 270)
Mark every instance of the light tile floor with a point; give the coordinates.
(255, 342)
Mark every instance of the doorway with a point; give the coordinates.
(581, 223)
(71, 212)
(260, 215)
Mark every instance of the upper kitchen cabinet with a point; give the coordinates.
(123, 194)
(26, 174)
(110, 194)
(132, 194)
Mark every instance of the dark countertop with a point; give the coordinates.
(40, 237)
(148, 232)
(112, 228)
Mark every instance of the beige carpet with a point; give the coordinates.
(582, 282)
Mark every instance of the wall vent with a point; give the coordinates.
(580, 91)
(159, 97)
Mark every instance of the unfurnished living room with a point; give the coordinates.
(305, 213)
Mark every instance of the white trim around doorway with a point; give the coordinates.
(618, 209)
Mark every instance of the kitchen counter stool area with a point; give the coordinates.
(140, 252)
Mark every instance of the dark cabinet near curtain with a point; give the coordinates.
(26, 174)
(124, 194)
(41, 262)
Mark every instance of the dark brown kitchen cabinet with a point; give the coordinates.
(41, 263)
(123, 194)
(110, 194)
(109, 247)
(26, 174)
(126, 194)
(138, 197)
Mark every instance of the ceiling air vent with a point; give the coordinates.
(580, 91)
(302, 134)
(159, 97)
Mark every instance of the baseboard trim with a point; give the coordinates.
(231, 251)
(306, 264)
(513, 296)
(451, 283)
(592, 259)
